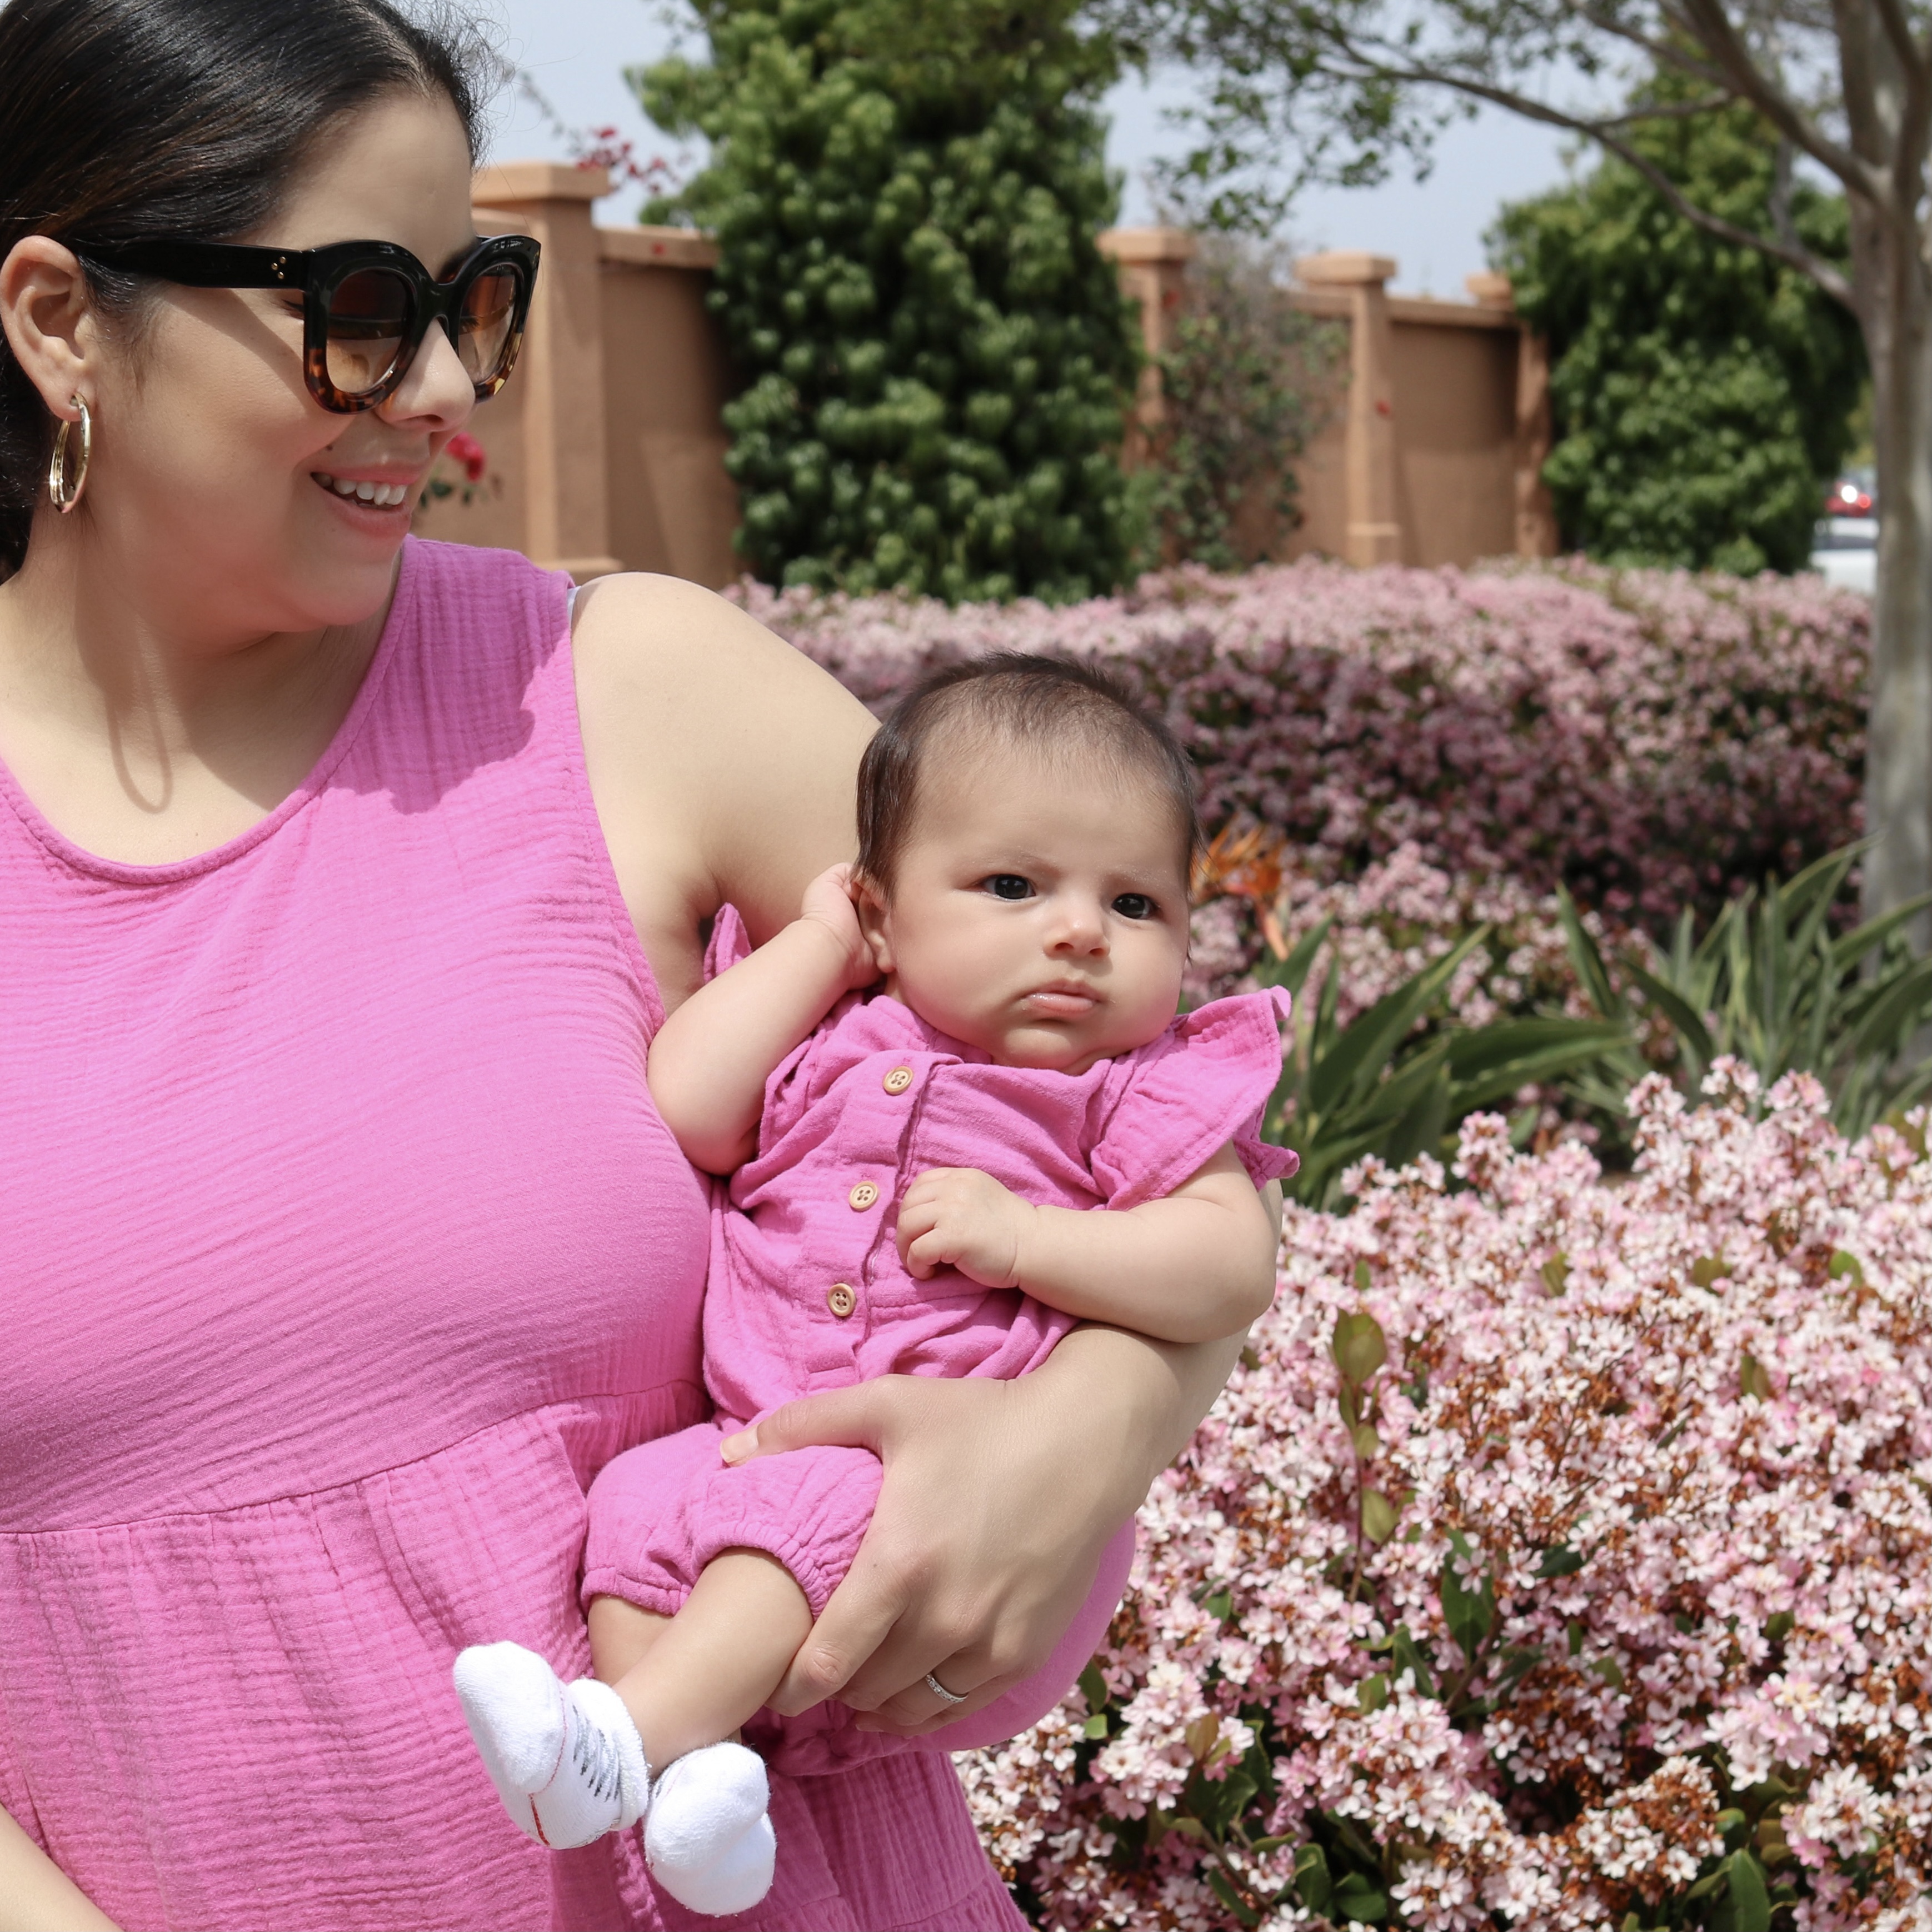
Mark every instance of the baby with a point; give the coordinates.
(914, 1173)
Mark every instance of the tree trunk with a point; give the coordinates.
(1897, 300)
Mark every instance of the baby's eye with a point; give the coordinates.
(1135, 905)
(1008, 886)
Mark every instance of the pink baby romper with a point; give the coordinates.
(340, 1246)
(807, 1292)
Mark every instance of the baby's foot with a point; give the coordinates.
(709, 1839)
(565, 1758)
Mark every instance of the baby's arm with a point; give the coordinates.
(1196, 1264)
(711, 1058)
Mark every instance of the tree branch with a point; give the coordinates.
(1706, 19)
(1791, 252)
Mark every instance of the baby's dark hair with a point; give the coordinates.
(1043, 703)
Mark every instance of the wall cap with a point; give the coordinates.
(1141, 246)
(1490, 290)
(652, 247)
(539, 181)
(1345, 266)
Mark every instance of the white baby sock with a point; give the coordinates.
(565, 1758)
(709, 1839)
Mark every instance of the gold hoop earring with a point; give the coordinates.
(63, 486)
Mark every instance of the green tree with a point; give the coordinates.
(1703, 391)
(1345, 90)
(936, 359)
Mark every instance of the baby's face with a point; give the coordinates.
(1039, 911)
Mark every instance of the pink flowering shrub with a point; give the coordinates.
(1560, 1557)
(1650, 737)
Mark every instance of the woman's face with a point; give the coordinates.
(210, 493)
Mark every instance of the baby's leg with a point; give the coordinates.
(692, 1679)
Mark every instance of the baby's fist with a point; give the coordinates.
(959, 1217)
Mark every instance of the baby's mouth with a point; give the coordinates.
(1063, 1000)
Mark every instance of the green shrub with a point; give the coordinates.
(936, 359)
(1702, 393)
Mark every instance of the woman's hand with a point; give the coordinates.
(999, 1499)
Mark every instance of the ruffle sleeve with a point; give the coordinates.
(1206, 1081)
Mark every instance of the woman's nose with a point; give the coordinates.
(437, 387)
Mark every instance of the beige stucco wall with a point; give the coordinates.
(606, 449)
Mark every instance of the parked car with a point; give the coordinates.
(1844, 551)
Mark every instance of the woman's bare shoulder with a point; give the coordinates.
(721, 760)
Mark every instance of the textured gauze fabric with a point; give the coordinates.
(340, 1247)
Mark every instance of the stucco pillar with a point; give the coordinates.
(1152, 264)
(1373, 532)
(1536, 533)
(561, 371)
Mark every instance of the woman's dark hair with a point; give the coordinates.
(129, 118)
(1045, 704)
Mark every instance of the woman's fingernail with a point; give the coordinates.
(738, 1448)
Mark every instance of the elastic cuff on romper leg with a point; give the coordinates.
(610, 1582)
(794, 1553)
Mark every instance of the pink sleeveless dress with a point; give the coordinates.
(340, 1248)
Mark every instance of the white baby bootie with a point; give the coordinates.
(709, 1839)
(565, 1758)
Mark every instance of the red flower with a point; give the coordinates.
(463, 448)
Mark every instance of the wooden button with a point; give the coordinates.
(862, 1196)
(840, 1299)
(898, 1081)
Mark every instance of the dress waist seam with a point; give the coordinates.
(675, 1383)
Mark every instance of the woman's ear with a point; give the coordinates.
(870, 904)
(50, 321)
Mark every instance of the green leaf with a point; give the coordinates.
(1470, 1615)
(1406, 1653)
(1368, 1443)
(1843, 1262)
(1750, 1897)
(1363, 1277)
(1372, 1694)
(1778, 1626)
(1359, 1900)
(1096, 1726)
(1556, 1273)
(1559, 1560)
(1218, 1883)
(1358, 1346)
(1708, 1269)
(1312, 1884)
(1094, 1687)
(1754, 1380)
(1379, 1517)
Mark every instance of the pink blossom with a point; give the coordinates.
(1696, 1586)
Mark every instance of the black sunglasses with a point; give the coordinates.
(366, 305)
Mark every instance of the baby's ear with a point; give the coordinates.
(869, 901)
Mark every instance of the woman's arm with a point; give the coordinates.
(999, 1499)
(723, 766)
(35, 1894)
(1196, 1263)
(711, 1058)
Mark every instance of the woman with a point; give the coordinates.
(340, 887)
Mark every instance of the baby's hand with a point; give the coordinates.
(828, 900)
(959, 1216)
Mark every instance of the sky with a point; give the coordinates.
(576, 50)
